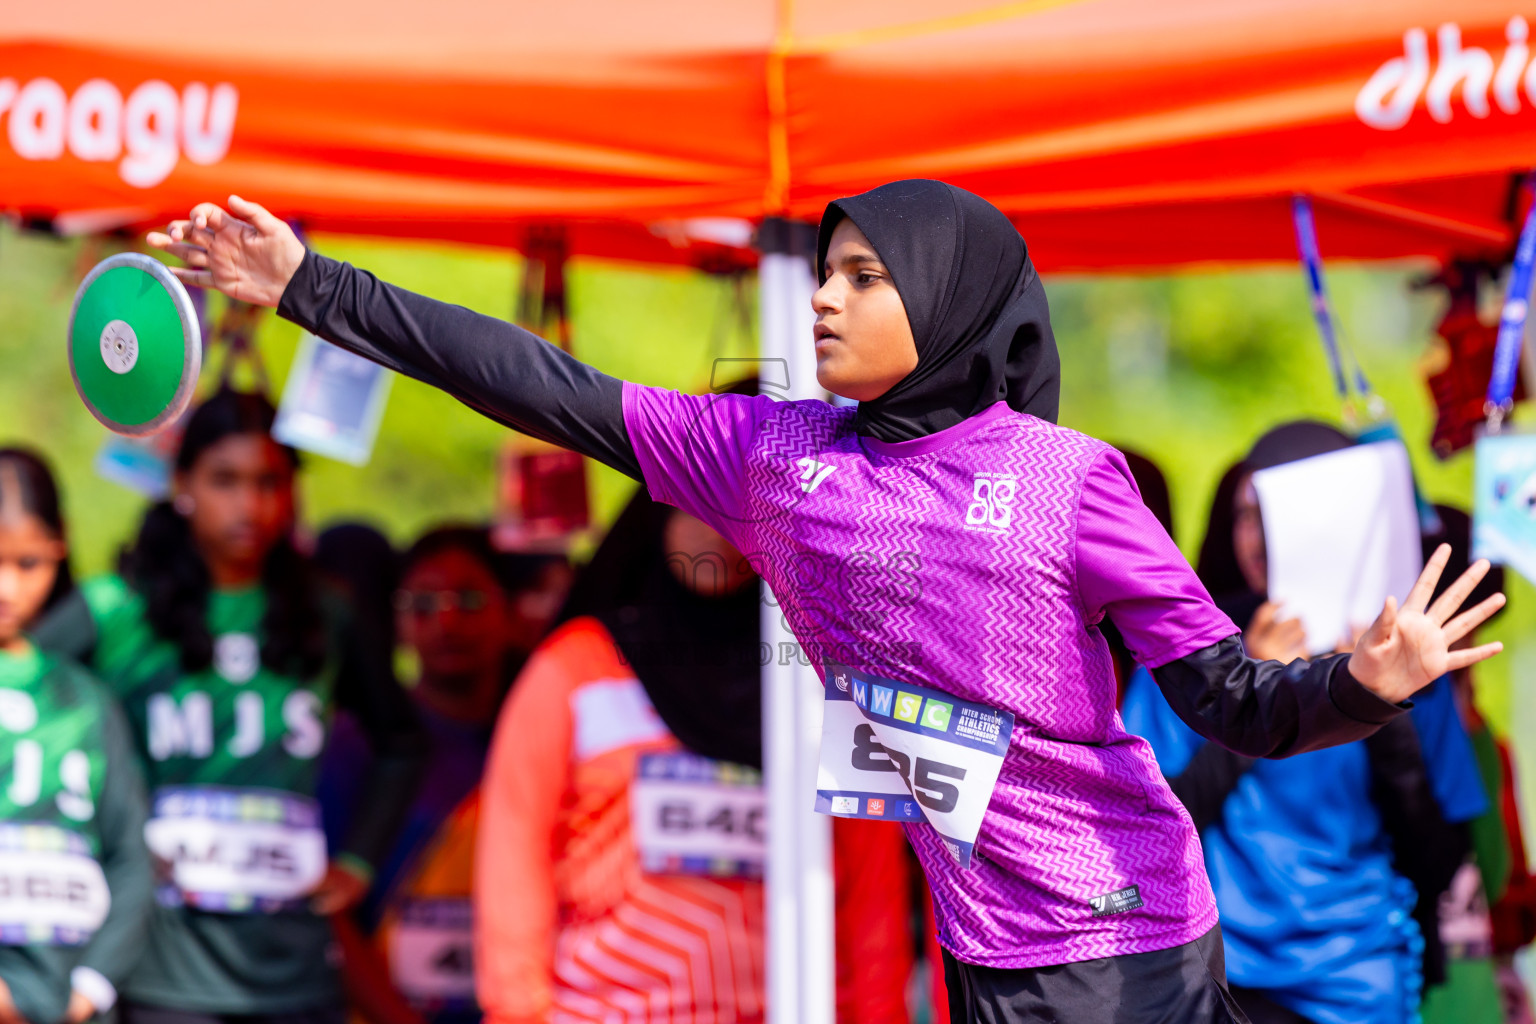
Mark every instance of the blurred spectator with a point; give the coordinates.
(359, 560)
(1514, 912)
(75, 790)
(580, 908)
(1317, 861)
(228, 654)
(538, 583)
(1470, 993)
(461, 610)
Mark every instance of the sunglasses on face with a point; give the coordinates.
(432, 602)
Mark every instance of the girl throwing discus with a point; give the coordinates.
(945, 554)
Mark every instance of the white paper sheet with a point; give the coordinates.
(1342, 532)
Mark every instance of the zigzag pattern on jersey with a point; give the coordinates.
(1086, 810)
(678, 951)
(779, 516)
(1029, 631)
(1083, 862)
(1039, 549)
(997, 619)
(888, 605)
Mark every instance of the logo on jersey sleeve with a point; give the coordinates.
(991, 507)
(812, 473)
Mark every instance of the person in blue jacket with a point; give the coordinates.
(1324, 865)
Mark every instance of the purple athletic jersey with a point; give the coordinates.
(976, 561)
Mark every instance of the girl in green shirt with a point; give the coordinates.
(75, 886)
(229, 657)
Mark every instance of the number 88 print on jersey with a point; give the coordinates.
(899, 752)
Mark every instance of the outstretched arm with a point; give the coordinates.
(1129, 569)
(1265, 709)
(500, 370)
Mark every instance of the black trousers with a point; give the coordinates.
(1261, 1010)
(1183, 985)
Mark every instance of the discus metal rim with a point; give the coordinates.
(191, 332)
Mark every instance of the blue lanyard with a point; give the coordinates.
(1322, 312)
(1506, 353)
(1379, 424)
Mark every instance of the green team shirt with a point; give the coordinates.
(237, 723)
(237, 745)
(72, 810)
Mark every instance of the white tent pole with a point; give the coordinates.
(801, 968)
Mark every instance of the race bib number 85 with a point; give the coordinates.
(900, 752)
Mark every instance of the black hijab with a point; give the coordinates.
(1217, 566)
(696, 655)
(976, 306)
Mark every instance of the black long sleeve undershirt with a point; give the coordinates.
(1266, 709)
(1258, 709)
(500, 370)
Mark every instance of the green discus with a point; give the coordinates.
(135, 348)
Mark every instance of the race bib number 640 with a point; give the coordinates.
(694, 816)
(900, 752)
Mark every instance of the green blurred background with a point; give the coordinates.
(1188, 369)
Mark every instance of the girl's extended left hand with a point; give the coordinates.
(1408, 648)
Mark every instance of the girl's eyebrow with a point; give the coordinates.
(859, 259)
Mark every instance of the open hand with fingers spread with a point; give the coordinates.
(244, 251)
(1408, 648)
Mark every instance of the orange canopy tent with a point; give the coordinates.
(1117, 132)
